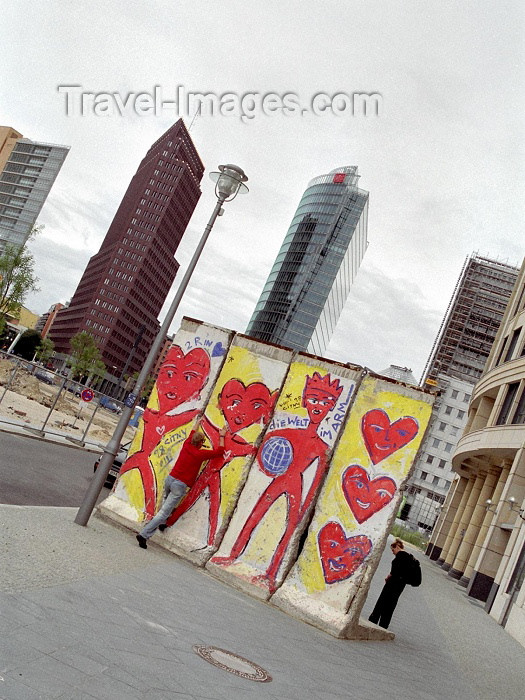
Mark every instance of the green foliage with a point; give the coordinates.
(27, 344)
(146, 389)
(85, 355)
(44, 350)
(17, 278)
(416, 538)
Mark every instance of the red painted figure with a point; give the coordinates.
(241, 407)
(180, 381)
(297, 449)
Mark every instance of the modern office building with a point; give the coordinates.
(28, 170)
(480, 537)
(455, 363)
(46, 320)
(311, 278)
(122, 290)
(400, 374)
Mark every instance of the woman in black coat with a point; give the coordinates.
(394, 585)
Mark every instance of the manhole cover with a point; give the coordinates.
(233, 663)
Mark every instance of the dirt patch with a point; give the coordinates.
(29, 400)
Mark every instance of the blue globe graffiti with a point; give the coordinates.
(277, 455)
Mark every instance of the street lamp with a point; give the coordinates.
(229, 181)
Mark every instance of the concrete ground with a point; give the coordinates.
(85, 613)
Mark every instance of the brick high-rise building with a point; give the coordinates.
(125, 284)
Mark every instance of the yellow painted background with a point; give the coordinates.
(332, 504)
(244, 365)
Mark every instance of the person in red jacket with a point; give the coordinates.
(181, 478)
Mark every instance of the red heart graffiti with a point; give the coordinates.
(341, 556)
(181, 377)
(364, 496)
(244, 405)
(382, 437)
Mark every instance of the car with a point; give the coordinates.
(119, 460)
(109, 404)
(75, 388)
(44, 376)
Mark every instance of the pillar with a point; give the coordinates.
(486, 566)
(442, 526)
(469, 526)
(454, 536)
(487, 492)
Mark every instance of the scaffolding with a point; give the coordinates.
(471, 320)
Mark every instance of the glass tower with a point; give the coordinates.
(311, 278)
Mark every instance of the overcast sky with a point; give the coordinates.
(443, 161)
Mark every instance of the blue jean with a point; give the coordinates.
(174, 491)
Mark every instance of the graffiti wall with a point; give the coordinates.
(243, 401)
(358, 502)
(183, 387)
(289, 468)
(298, 508)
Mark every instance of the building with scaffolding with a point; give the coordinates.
(456, 362)
(479, 538)
(472, 320)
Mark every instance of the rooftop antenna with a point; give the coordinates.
(197, 114)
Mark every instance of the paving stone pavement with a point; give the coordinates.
(85, 613)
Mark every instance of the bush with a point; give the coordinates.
(416, 538)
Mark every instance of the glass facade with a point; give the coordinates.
(25, 182)
(310, 280)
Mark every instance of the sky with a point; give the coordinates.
(442, 158)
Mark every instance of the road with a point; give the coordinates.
(38, 473)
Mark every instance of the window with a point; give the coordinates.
(454, 394)
(424, 475)
(448, 410)
(442, 427)
(519, 415)
(436, 442)
(435, 480)
(512, 344)
(466, 398)
(448, 447)
(442, 463)
(512, 390)
(461, 415)
(430, 459)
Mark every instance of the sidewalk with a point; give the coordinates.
(86, 613)
(49, 435)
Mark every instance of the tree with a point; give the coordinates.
(85, 355)
(146, 389)
(98, 370)
(27, 344)
(17, 278)
(44, 350)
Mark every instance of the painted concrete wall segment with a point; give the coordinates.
(316, 454)
(243, 399)
(328, 583)
(290, 466)
(182, 390)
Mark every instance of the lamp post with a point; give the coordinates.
(229, 181)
